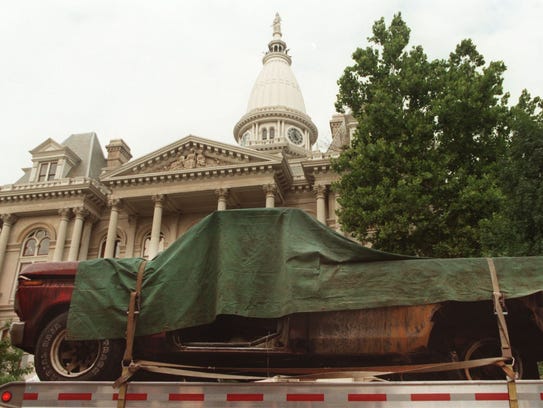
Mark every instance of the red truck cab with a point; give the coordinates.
(55, 282)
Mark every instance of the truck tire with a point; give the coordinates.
(57, 359)
(485, 348)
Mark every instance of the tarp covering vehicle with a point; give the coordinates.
(268, 263)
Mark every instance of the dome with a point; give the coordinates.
(276, 85)
(276, 120)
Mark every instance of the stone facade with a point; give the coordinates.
(75, 203)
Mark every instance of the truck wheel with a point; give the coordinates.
(485, 348)
(58, 359)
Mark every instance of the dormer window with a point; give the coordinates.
(52, 161)
(47, 171)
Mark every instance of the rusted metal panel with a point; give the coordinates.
(388, 330)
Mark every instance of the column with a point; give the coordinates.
(174, 229)
(61, 236)
(157, 223)
(131, 235)
(85, 237)
(8, 221)
(270, 190)
(320, 193)
(222, 195)
(115, 205)
(337, 207)
(80, 214)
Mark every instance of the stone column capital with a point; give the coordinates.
(65, 213)
(92, 218)
(158, 199)
(114, 203)
(222, 192)
(270, 188)
(320, 190)
(8, 219)
(81, 212)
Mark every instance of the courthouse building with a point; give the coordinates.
(77, 201)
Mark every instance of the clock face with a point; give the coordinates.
(295, 136)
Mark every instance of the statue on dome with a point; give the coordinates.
(277, 24)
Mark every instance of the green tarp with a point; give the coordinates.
(270, 263)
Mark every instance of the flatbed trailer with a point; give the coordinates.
(277, 394)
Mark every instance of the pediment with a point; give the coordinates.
(189, 154)
(47, 146)
(51, 150)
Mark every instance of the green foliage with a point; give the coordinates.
(518, 228)
(10, 362)
(421, 174)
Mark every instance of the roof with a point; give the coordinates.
(83, 150)
(276, 84)
(87, 147)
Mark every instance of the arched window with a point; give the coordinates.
(36, 243)
(35, 248)
(245, 138)
(116, 249)
(272, 133)
(147, 243)
(264, 134)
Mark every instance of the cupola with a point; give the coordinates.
(276, 120)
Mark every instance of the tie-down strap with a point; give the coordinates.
(133, 311)
(507, 353)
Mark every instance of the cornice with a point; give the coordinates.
(277, 55)
(283, 148)
(317, 166)
(300, 188)
(64, 188)
(275, 112)
(192, 174)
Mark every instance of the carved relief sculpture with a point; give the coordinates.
(194, 159)
(190, 161)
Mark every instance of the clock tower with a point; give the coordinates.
(276, 120)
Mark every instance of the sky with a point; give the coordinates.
(153, 72)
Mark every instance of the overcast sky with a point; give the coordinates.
(153, 72)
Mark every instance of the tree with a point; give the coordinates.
(10, 362)
(420, 175)
(517, 230)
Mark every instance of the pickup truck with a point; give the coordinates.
(331, 335)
